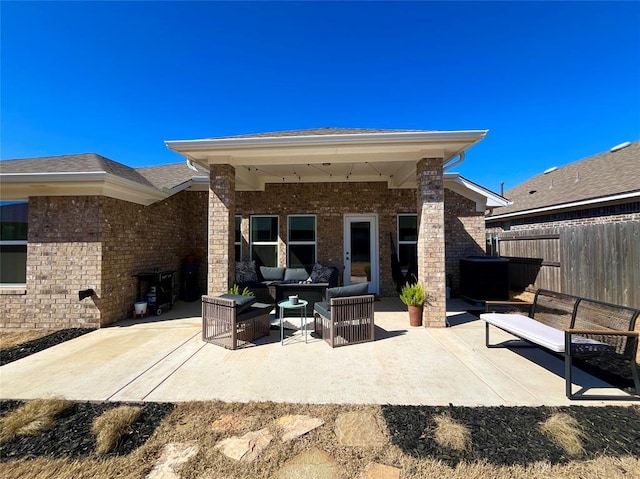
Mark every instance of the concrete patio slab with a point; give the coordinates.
(164, 359)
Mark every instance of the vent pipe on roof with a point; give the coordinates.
(448, 166)
(620, 146)
(502, 188)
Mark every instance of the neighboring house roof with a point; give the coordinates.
(605, 177)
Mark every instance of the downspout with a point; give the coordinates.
(190, 165)
(452, 163)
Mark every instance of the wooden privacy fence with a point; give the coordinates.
(600, 262)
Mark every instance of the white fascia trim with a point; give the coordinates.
(53, 177)
(194, 184)
(94, 182)
(349, 138)
(592, 201)
(492, 199)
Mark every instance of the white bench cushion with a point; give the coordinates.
(527, 328)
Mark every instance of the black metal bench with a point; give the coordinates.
(574, 327)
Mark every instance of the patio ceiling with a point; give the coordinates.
(380, 156)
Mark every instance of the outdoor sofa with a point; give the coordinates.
(274, 284)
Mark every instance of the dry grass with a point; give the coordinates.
(521, 296)
(565, 431)
(9, 339)
(32, 418)
(450, 433)
(111, 425)
(130, 468)
(192, 422)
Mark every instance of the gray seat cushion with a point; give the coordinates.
(323, 309)
(242, 302)
(357, 289)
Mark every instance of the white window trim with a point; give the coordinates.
(398, 234)
(238, 243)
(263, 243)
(314, 242)
(15, 243)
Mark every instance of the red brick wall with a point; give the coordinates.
(81, 242)
(330, 202)
(64, 253)
(464, 234)
(97, 242)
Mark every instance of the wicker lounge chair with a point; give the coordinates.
(227, 325)
(345, 319)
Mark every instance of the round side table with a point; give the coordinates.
(300, 305)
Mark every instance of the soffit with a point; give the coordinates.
(343, 157)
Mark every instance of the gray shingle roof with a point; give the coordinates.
(169, 176)
(319, 131)
(86, 162)
(597, 176)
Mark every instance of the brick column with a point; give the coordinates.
(222, 206)
(431, 257)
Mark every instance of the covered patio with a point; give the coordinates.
(163, 358)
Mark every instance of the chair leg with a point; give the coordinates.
(636, 377)
(568, 360)
(486, 335)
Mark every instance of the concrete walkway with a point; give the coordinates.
(164, 359)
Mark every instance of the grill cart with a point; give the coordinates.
(159, 289)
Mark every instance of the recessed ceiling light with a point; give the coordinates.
(326, 164)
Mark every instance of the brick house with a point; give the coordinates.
(579, 225)
(334, 196)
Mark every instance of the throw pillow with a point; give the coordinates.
(271, 273)
(320, 274)
(295, 274)
(246, 272)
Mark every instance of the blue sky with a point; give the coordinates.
(553, 82)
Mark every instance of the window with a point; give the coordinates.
(407, 241)
(264, 240)
(13, 242)
(238, 238)
(301, 241)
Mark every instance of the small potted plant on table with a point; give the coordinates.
(415, 297)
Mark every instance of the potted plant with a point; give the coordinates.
(235, 289)
(414, 296)
(367, 271)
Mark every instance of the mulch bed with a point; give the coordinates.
(510, 435)
(500, 435)
(31, 347)
(72, 436)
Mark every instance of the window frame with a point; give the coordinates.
(24, 243)
(237, 243)
(405, 242)
(264, 243)
(314, 243)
